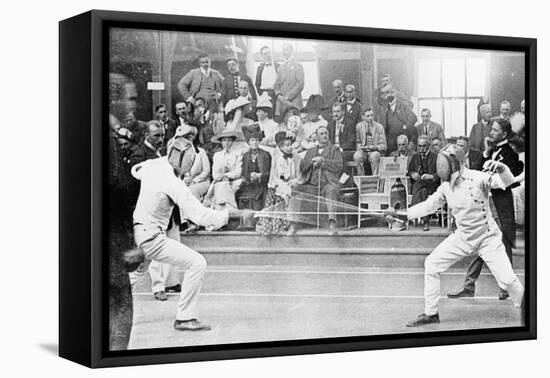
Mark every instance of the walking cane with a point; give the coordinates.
(318, 198)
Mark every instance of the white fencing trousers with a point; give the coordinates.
(454, 249)
(157, 247)
(164, 275)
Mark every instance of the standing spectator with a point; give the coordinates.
(231, 83)
(290, 82)
(255, 172)
(266, 75)
(339, 96)
(422, 170)
(342, 134)
(481, 130)
(397, 118)
(403, 149)
(497, 149)
(321, 169)
(473, 159)
(430, 129)
(284, 175)
(352, 105)
(169, 125)
(371, 142)
(383, 101)
(204, 82)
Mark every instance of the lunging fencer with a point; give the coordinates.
(466, 193)
(162, 187)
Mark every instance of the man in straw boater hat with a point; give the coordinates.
(466, 193)
(162, 187)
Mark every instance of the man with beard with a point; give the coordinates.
(466, 193)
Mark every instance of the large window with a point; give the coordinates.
(452, 88)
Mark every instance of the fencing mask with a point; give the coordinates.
(181, 155)
(450, 163)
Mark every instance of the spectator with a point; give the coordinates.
(518, 126)
(266, 75)
(339, 96)
(244, 92)
(255, 173)
(169, 125)
(387, 80)
(397, 119)
(182, 112)
(152, 146)
(436, 145)
(200, 117)
(315, 106)
(505, 109)
(371, 142)
(125, 144)
(137, 127)
(204, 82)
(237, 121)
(197, 178)
(342, 134)
(295, 131)
(352, 105)
(473, 159)
(264, 110)
(429, 128)
(232, 82)
(284, 176)
(403, 149)
(481, 130)
(290, 82)
(321, 169)
(422, 170)
(226, 172)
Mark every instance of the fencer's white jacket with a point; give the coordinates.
(161, 190)
(469, 202)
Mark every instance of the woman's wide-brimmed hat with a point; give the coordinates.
(235, 103)
(226, 134)
(253, 131)
(264, 101)
(316, 103)
(185, 129)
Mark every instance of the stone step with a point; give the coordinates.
(372, 247)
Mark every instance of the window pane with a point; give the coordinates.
(306, 45)
(311, 82)
(435, 109)
(476, 76)
(453, 77)
(429, 78)
(454, 118)
(471, 114)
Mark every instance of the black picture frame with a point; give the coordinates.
(83, 109)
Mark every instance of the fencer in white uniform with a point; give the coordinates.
(161, 189)
(466, 193)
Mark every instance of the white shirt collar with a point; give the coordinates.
(352, 101)
(206, 72)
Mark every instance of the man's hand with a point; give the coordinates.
(240, 214)
(427, 177)
(493, 166)
(317, 161)
(415, 176)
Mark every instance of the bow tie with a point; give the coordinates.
(287, 156)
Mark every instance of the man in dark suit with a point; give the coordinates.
(497, 149)
(429, 128)
(352, 105)
(397, 118)
(422, 170)
(266, 74)
(169, 125)
(473, 159)
(321, 169)
(182, 113)
(342, 133)
(152, 146)
(481, 130)
(230, 84)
